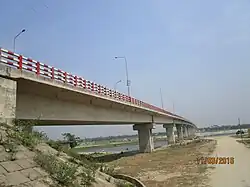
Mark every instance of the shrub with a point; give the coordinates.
(26, 138)
(108, 170)
(55, 145)
(63, 172)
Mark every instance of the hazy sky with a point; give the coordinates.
(197, 52)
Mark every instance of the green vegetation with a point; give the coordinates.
(17, 135)
(77, 170)
(82, 148)
(63, 172)
(110, 170)
(57, 145)
(71, 139)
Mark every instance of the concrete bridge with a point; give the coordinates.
(31, 90)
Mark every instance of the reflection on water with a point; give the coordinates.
(123, 148)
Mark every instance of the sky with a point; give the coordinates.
(196, 52)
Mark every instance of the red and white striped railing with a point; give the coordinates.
(27, 64)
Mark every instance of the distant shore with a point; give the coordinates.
(110, 144)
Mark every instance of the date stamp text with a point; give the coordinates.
(215, 160)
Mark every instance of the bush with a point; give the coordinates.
(63, 172)
(25, 138)
(19, 132)
(108, 170)
(55, 145)
(85, 160)
(23, 125)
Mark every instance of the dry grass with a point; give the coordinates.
(176, 166)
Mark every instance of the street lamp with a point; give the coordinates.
(162, 106)
(116, 84)
(14, 45)
(126, 66)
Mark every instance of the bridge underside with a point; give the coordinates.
(54, 106)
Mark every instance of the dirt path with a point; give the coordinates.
(232, 175)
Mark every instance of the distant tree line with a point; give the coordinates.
(119, 137)
(225, 127)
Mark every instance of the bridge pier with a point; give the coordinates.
(170, 133)
(185, 131)
(146, 143)
(179, 132)
(8, 89)
(191, 131)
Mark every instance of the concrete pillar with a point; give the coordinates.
(191, 131)
(7, 100)
(170, 133)
(179, 132)
(185, 133)
(188, 131)
(146, 143)
(194, 131)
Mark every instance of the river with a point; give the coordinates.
(119, 148)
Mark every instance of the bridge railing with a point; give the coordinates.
(27, 64)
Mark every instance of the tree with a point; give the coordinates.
(71, 139)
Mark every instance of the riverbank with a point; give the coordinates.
(106, 145)
(176, 165)
(103, 144)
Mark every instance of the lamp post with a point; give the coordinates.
(126, 66)
(162, 106)
(116, 84)
(14, 45)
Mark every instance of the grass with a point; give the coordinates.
(61, 171)
(16, 135)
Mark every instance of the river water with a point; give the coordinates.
(157, 143)
(124, 148)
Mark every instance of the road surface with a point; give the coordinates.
(231, 175)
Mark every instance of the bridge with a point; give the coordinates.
(31, 90)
